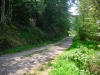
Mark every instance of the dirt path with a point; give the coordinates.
(21, 63)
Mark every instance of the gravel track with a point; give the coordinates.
(23, 62)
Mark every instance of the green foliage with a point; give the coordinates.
(49, 64)
(80, 59)
(86, 26)
(32, 22)
(23, 46)
(8, 42)
(7, 37)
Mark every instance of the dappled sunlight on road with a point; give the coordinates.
(22, 64)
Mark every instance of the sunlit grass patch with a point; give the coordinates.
(63, 66)
(79, 59)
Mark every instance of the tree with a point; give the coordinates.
(56, 17)
(86, 20)
(2, 10)
(41, 20)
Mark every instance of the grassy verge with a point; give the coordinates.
(82, 58)
(28, 46)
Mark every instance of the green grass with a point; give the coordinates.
(64, 67)
(74, 60)
(28, 46)
(49, 64)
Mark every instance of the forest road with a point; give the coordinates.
(23, 62)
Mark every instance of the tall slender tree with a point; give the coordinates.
(2, 10)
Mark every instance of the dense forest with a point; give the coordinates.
(25, 22)
(88, 21)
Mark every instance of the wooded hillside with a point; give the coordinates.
(32, 21)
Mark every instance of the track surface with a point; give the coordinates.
(23, 62)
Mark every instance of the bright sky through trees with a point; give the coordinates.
(73, 7)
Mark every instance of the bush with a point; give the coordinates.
(8, 42)
(87, 64)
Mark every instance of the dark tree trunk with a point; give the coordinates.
(2, 10)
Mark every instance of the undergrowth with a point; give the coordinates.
(81, 58)
(29, 46)
(15, 39)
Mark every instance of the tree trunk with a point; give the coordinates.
(2, 10)
(10, 11)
